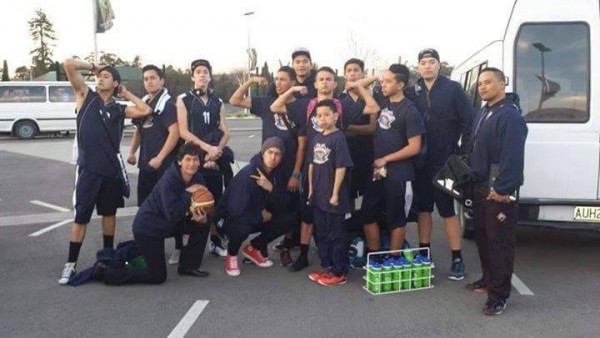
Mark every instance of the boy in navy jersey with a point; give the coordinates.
(156, 136)
(202, 120)
(328, 193)
(303, 113)
(397, 141)
(99, 129)
(276, 125)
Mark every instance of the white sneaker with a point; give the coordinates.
(174, 259)
(217, 250)
(67, 273)
(231, 266)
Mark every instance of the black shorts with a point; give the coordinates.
(426, 194)
(385, 196)
(93, 190)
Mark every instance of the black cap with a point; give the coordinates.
(429, 53)
(201, 62)
(113, 72)
(301, 51)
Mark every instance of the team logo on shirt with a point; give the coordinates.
(316, 126)
(279, 123)
(321, 153)
(148, 122)
(386, 118)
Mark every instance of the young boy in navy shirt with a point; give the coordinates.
(328, 192)
(397, 141)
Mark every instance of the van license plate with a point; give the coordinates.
(590, 214)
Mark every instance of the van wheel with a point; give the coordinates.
(25, 130)
(465, 216)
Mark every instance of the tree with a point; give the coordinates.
(42, 33)
(22, 74)
(368, 55)
(5, 76)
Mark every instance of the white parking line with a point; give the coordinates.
(189, 319)
(50, 206)
(520, 286)
(52, 227)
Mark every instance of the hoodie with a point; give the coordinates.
(244, 200)
(500, 142)
(448, 115)
(162, 213)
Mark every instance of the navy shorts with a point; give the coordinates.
(426, 195)
(388, 197)
(93, 190)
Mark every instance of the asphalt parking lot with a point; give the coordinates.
(555, 294)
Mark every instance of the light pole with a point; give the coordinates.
(543, 49)
(248, 15)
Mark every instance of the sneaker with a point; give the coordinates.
(494, 308)
(255, 256)
(299, 264)
(286, 244)
(284, 257)
(477, 286)
(330, 279)
(316, 275)
(67, 273)
(457, 271)
(264, 252)
(174, 259)
(231, 266)
(358, 262)
(217, 249)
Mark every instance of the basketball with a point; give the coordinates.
(204, 200)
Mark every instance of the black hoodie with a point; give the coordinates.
(161, 213)
(500, 141)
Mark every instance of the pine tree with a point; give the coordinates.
(5, 76)
(42, 33)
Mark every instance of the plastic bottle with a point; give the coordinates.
(405, 274)
(417, 273)
(396, 267)
(386, 284)
(407, 253)
(375, 277)
(426, 271)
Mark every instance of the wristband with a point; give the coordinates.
(297, 175)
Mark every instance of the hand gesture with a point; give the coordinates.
(334, 200)
(350, 85)
(300, 89)
(122, 91)
(132, 159)
(199, 215)
(262, 181)
(267, 216)
(259, 80)
(293, 184)
(154, 163)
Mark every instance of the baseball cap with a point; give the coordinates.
(301, 51)
(429, 53)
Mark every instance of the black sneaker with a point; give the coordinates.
(494, 308)
(477, 286)
(457, 271)
(299, 264)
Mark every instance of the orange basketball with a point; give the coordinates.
(204, 200)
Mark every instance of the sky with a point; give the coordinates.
(178, 31)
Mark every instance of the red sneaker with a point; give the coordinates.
(256, 257)
(330, 279)
(231, 266)
(317, 275)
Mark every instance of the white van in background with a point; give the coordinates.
(549, 53)
(29, 108)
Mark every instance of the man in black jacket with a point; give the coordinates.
(165, 213)
(497, 160)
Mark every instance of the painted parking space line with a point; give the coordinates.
(52, 227)
(520, 286)
(49, 206)
(188, 319)
(7, 221)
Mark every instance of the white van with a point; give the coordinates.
(549, 52)
(29, 108)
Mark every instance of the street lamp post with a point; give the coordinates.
(248, 15)
(543, 49)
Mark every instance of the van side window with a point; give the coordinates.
(469, 83)
(552, 72)
(61, 94)
(22, 94)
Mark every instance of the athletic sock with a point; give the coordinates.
(108, 241)
(304, 251)
(425, 245)
(456, 254)
(74, 249)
